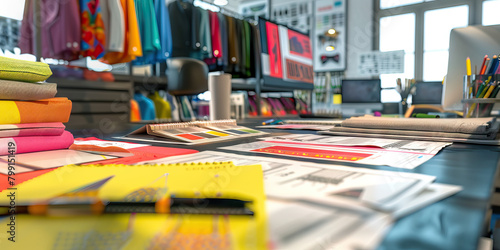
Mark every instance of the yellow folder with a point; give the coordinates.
(142, 231)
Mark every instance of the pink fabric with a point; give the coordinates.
(38, 143)
(32, 129)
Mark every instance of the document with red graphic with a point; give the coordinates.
(373, 151)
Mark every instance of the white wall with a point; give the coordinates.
(359, 33)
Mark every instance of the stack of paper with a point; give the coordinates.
(473, 130)
(31, 118)
(332, 207)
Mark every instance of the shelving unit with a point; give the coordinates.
(95, 102)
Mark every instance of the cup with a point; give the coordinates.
(219, 86)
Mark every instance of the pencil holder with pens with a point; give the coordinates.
(480, 95)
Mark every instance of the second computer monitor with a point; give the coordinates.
(428, 93)
(361, 91)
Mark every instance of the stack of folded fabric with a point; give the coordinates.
(30, 116)
(471, 130)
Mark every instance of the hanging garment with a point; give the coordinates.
(205, 34)
(233, 47)
(254, 52)
(181, 15)
(148, 29)
(248, 46)
(132, 46)
(93, 36)
(135, 112)
(196, 50)
(114, 25)
(146, 106)
(223, 34)
(241, 42)
(163, 20)
(215, 34)
(60, 29)
(162, 107)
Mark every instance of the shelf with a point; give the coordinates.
(75, 83)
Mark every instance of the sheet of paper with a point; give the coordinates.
(50, 159)
(324, 184)
(393, 153)
(100, 143)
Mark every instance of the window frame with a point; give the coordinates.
(475, 18)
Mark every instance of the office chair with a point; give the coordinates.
(186, 76)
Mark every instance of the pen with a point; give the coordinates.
(173, 205)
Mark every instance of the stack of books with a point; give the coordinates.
(31, 118)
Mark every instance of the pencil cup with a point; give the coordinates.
(480, 94)
(220, 96)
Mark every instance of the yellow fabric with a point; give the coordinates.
(162, 106)
(148, 231)
(132, 46)
(25, 71)
(10, 113)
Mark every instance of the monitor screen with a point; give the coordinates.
(473, 42)
(286, 56)
(361, 91)
(427, 93)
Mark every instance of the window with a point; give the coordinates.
(490, 12)
(12, 9)
(431, 24)
(398, 33)
(385, 4)
(437, 26)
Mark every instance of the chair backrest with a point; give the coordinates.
(186, 76)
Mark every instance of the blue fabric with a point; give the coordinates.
(146, 105)
(163, 20)
(148, 29)
(151, 29)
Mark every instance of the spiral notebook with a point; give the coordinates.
(143, 231)
(190, 133)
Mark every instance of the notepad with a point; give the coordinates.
(145, 230)
(197, 132)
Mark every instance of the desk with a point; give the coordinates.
(454, 223)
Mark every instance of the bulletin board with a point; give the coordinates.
(330, 49)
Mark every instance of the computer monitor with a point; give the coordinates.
(427, 93)
(361, 91)
(473, 42)
(286, 57)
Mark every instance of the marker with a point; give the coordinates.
(173, 205)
